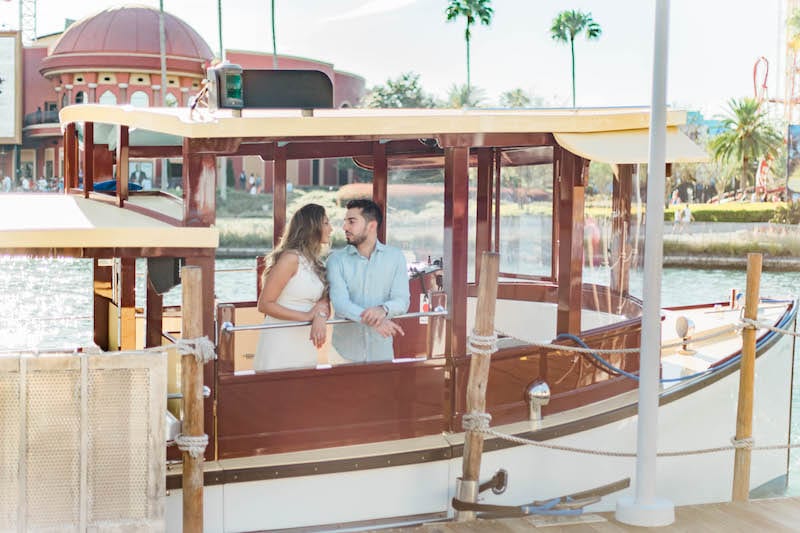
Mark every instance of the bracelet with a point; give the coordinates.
(323, 314)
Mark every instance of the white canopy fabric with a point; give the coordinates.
(630, 146)
(68, 221)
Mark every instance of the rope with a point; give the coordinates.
(202, 348)
(737, 443)
(482, 344)
(475, 421)
(755, 324)
(195, 445)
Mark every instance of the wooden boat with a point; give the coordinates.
(364, 445)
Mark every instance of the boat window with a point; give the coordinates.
(526, 221)
(415, 213)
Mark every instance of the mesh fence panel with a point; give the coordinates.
(53, 458)
(9, 450)
(119, 453)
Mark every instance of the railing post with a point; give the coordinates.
(226, 314)
(192, 388)
(744, 412)
(478, 381)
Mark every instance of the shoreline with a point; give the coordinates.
(780, 264)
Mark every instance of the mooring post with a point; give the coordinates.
(482, 348)
(744, 413)
(192, 388)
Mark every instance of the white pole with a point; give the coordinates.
(645, 508)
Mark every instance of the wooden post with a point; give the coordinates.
(192, 388)
(744, 413)
(478, 381)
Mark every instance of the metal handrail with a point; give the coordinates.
(169, 337)
(228, 327)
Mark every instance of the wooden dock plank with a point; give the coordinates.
(774, 515)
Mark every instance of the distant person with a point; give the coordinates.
(242, 180)
(7, 184)
(686, 217)
(138, 175)
(295, 290)
(368, 285)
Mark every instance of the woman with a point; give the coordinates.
(295, 289)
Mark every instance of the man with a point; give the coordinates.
(368, 285)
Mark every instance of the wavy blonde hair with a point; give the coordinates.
(303, 236)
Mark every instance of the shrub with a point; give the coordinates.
(788, 213)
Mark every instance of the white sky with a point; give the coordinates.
(713, 43)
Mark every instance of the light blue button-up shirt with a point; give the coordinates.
(356, 283)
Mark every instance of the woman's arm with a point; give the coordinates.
(278, 277)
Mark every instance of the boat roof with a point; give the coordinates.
(36, 223)
(612, 135)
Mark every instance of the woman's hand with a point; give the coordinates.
(319, 329)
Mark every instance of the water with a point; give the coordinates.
(46, 303)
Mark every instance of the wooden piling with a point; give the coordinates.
(478, 380)
(744, 413)
(192, 388)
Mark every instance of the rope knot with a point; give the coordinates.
(474, 421)
(482, 344)
(746, 443)
(195, 445)
(202, 348)
(749, 323)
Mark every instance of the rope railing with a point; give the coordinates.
(228, 327)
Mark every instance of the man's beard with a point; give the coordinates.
(355, 240)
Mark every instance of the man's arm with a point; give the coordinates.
(340, 296)
(399, 296)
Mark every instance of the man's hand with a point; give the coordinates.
(387, 328)
(372, 316)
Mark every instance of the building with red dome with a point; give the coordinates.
(113, 57)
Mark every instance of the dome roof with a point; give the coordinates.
(128, 37)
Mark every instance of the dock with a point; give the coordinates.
(778, 514)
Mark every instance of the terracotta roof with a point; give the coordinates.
(126, 31)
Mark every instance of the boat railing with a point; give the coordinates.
(228, 327)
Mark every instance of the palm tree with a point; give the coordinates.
(747, 136)
(274, 47)
(515, 98)
(464, 96)
(472, 10)
(566, 26)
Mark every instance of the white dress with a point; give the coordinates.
(291, 347)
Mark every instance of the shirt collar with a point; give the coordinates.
(352, 250)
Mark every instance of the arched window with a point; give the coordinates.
(171, 100)
(140, 99)
(108, 98)
(81, 98)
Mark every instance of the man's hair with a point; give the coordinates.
(369, 209)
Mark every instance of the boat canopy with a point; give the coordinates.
(610, 135)
(69, 222)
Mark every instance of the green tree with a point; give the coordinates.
(474, 11)
(465, 96)
(566, 26)
(747, 136)
(515, 98)
(402, 91)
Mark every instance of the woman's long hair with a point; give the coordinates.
(303, 235)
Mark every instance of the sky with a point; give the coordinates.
(713, 44)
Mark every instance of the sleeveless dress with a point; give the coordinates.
(291, 347)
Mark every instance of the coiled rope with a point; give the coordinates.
(202, 348)
(194, 444)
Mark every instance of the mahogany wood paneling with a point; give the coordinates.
(70, 161)
(123, 142)
(278, 194)
(102, 296)
(574, 379)
(199, 185)
(469, 140)
(348, 404)
(103, 163)
(456, 202)
(151, 152)
(153, 316)
(570, 250)
(226, 343)
(88, 158)
(380, 181)
(620, 227)
(483, 215)
(127, 303)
